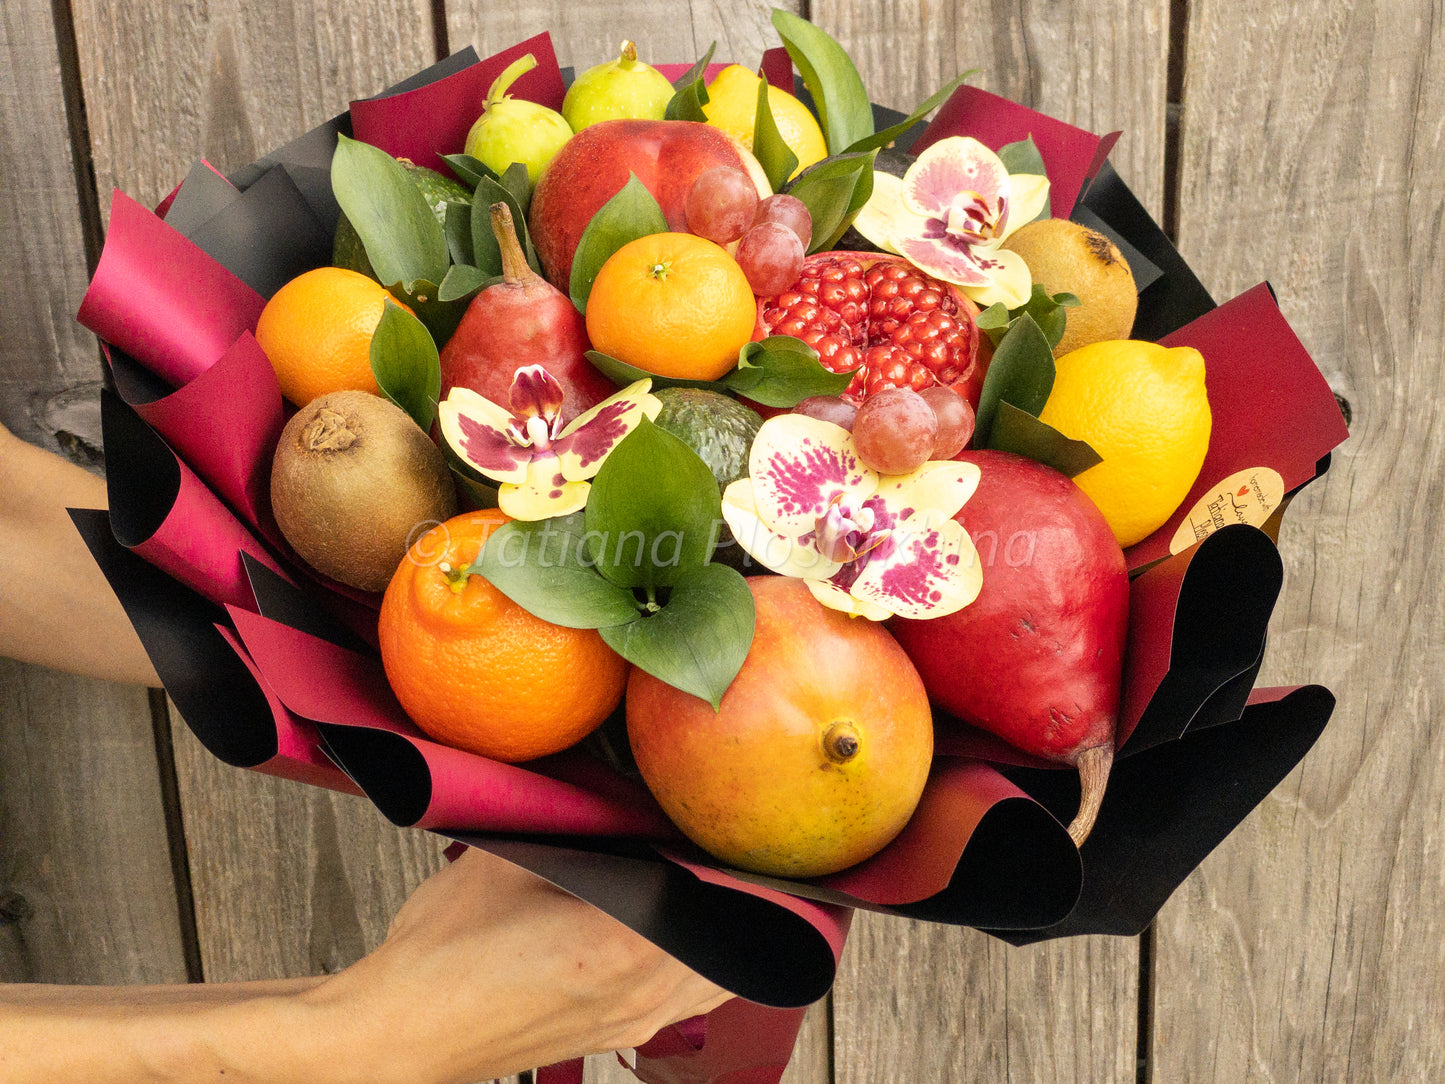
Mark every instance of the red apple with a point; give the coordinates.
(592, 167)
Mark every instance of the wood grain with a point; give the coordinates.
(49, 367)
(928, 1003)
(86, 891)
(1311, 945)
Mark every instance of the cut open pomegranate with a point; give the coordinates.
(882, 316)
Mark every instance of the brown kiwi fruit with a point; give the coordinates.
(352, 478)
(1069, 258)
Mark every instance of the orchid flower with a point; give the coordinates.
(867, 544)
(543, 466)
(950, 213)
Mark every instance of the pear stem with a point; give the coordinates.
(515, 268)
(629, 54)
(510, 74)
(1094, 765)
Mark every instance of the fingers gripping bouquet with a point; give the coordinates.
(735, 513)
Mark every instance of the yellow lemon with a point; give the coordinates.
(1143, 408)
(733, 106)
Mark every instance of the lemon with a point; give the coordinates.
(1143, 408)
(733, 106)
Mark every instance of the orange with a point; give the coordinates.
(317, 332)
(674, 304)
(476, 671)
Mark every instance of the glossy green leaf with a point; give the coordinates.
(464, 282)
(781, 371)
(653, 511)
(834, 191)
(630, 214)
(1024, 157)
(458, 230)
(405, 364)
(484, 242)
(927, 106)
(1018, 431)
(699, 640)
(831, 78)
(690, 91)
(1021, 372)
(545, 568)
(623, 374)
(775, 156)
(469, 170)
(1047, 311)
(515, 181)
(403, 239)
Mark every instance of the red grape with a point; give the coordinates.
(828, 408)
(895, 430)
(789, 211)
(955, 420)
(720, 204)
(771, 256)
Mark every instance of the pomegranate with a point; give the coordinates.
(882, 316)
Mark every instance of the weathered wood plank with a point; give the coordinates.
(86, 890)
(926, 1003)
(1311, 945)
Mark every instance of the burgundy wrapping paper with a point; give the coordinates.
(425, 123)
(1071, 155)
(161, 299)
(1270, 404)
(742, 1043)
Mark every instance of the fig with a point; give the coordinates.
(512, 130)
(1038, 657)
(620, 89)
(352, 479)
(522, 320)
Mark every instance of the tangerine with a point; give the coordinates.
(673, 304)
(476, 671)
(317, 332)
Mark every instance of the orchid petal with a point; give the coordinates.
(543, 493)
(940, 488)
(1028, 192)
(932, 569)
(478, 431)
(592, 435)
(1009, 279)
(798, 466)
(884, 217)
(786, 556)
(944, 258)
(536, 394)
(835, 598)
(949, 167)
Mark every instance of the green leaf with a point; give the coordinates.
(403, 239)
(653, 511)
(1021, 372)
(464, 282)
(1047, 311)
(623, 374)
(698, 641)
(515, 181)
(630, 214)
(781, 371)
(834, 191)
(458, 230)
(832, 80)
(994, 321)
(928, 105)
(1016, 430)
(777, 158)
(440, 317)
(405, 364)
(544, 567)
(484, 242)
(1024, 157)
(468, 169)
(691, 91)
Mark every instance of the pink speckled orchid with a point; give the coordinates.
(542, 466)
(950, 213)
(870, 545)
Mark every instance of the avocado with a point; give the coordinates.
(348, 251)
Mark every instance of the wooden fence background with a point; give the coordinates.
(1299, 141)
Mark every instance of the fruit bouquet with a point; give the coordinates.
(733, 501)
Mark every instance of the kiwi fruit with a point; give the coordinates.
(1069, 258)
(352, 478)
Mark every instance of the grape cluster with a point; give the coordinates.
(897, 430)
(772, 234)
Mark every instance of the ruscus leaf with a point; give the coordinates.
(630, 214)
(405, 363)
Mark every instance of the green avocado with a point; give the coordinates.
(715, 426)
(347, 250)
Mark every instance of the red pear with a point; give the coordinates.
(523, 320)
(1038, 657)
